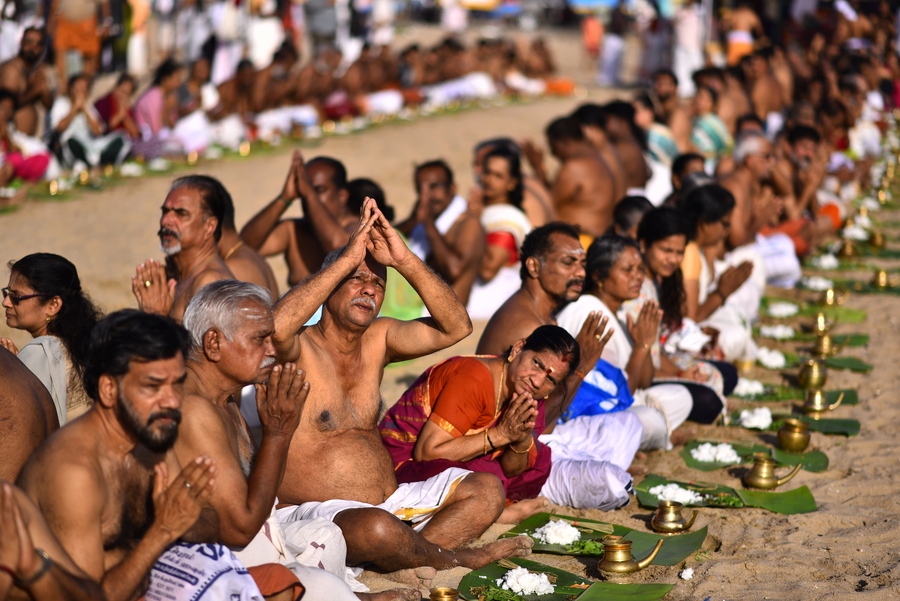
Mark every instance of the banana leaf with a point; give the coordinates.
(848, 340)
(675, 550)
(790, 393)
(607, 591)
(717, 495)
(843, 314)
(867, 288)
(799, 500)
(830, 425)
(791, 361)
(813, 461)
(488, 575)
(851, 363)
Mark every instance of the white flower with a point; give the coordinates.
(871, 204)
(131, 170)
(759, 418)
(673, 492)
(747, 387)
(854, 232)
(718, 453)
(686, 574)
(770, 358)
(523, 582)
(825, 262)
(863, 221)
(778, 332)
(817, 283)
(158, 164)
(557, 533)
(782, 310)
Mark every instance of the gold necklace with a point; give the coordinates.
(232, 249)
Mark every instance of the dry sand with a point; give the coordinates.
(845, 549)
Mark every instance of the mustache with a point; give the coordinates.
(172, 414)
(363, 300)
(267, 362)
(575, 282)
(164, 231)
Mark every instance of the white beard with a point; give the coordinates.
(172, 250)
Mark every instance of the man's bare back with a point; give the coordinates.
(583, 194)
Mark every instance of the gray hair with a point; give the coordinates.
(332, 257)
(217, 305)
(748, 144)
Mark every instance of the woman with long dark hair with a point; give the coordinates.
(44, 298)
(505, 226)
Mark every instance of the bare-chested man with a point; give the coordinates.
(231, 325)
(40, 569)
(765, 91)
(26, 76)
(536, 201)
(742, 27)
(673, 112)
(236, 94)
(27, 413)
(441, 230)
(321, 186)
(246, 264)
(625, 136)
(338, 467)
(583, 191)
(593, 121)
(189, 230)
(133, 499)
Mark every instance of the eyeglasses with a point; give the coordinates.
(16, 299)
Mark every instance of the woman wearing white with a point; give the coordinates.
(614, 275)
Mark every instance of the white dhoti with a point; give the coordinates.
(314, 550)
(282, 119)
(194, 132)
(660, 409)
(590, 456)
(780, 257)
(200, 572)
(385, 102)
(229, 132)
(746, 299)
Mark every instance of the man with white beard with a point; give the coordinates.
(189, 229)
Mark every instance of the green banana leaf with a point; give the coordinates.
(843, 314)
(488, 575)
(675, 550)
(790, 393)
(791, 361)
(848, 340)
(799, 500)
(864, 287)
(607, 591)
(813, 461)
(830, 425)
(851, 363)
(717, 495)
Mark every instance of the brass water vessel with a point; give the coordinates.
(668, 518)
(812, 374)
(848, 250)
(833, 298)
(825, 346)
(822, 325)
(617, 557)
(876, 240)
(762, 474)
(816, 403)
(793, 435)
(882, 281)
(443, 593)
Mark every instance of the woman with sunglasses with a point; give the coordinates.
(44, 298)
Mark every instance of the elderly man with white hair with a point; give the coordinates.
(231, 325)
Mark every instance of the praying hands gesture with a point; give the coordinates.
(645, 329)
(384, 244)
(517, 422)
(177, 506)
(154, 291)
(592, 340)
(280, 401)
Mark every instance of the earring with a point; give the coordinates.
(48, 319)
(509, 358)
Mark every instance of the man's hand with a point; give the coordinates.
(280, 401)
(359, 239)
(733, 278)
(177, 506)
(304, 186)
(475, 201)
(534, 155)
(290, 191)
(9, 345)
(384, 244)
(592, 339)
(155, 293)
(16, 549)
(517, 421)
(645, 330)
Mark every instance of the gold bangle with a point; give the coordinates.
(485, 451)
(513, 449)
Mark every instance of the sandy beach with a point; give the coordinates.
(844, 550)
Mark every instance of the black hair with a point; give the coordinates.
(564, 128)
(629, 211)
(625, 111)
(667, 73)
(245, 63)
(438, 164)
(357, 191)
(590, 114)
(681, 162)
(708, 203)
(803, 132)
(165, 70)
(555, 340)
(339, 177)
(538, 243)
(602, 255)
(76, 77)
(125, 77)
(214, 196)
(6, 94)
(657, 225)
(54, 275)
(748, 118)
(505, 143)
(130, 335)
(516, 195)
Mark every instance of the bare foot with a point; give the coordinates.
(419, 578)
(638, 470)
(640, 455)
(397, 594)
(520, 510)
(519, 546)
(682, 435)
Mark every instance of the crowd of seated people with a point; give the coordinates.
(613, 300)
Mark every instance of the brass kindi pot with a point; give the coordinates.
(443, 593)
(833, 298)
(762, 474)
(825, 346)
(812, 374)
(881, 281)
(848, 249)
(822, 325)
(617, 557)
(668, 518)
(817, 403)
(793, 435)
(876, 240)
